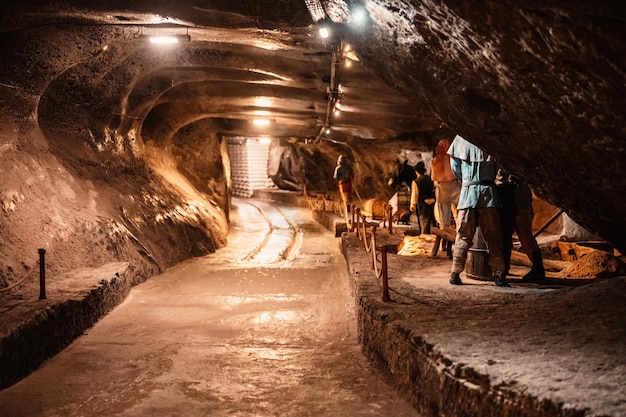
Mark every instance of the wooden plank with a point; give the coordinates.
(519, 258)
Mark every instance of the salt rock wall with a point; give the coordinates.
(539, 85)
(78, 181)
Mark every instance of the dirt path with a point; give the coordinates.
(264, 327)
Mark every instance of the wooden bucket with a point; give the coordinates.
(477, 265)
(477, 262)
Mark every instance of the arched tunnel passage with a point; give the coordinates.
(115, 150)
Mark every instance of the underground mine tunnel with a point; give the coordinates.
(128, 126)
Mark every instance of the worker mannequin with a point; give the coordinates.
(517, 216)
(478, 205)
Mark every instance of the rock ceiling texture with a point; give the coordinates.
(540, 85)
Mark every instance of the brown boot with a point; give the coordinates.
(455, 279)
(537, 272)
(500, 279)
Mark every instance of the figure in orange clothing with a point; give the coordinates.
(344, 175)
(447, 187)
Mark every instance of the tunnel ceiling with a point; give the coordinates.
(540, 85)
(236, 63)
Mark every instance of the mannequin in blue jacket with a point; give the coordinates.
(479, 206)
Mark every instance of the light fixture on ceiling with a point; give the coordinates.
(261, 122)
(169, 39)
(262, 101)
(334, 90)
(351, 56)
(359, 15)
(325, 29)
(164, 34)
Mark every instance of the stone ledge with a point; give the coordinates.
(39, 330)
(432, 383)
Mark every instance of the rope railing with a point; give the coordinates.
(42, 276)
(357, 223)
(367, 235)
(20, 282)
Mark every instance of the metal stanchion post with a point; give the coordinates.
(351, 228)
(364, 232)
(386, 296)
(373, 247)
(42, 274)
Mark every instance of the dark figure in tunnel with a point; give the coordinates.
(400, 182)
(423, 198)
(478, 205)
(517, 216)
(405, 174)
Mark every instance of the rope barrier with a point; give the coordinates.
(18, 283)
(357, 223)
(42, 276)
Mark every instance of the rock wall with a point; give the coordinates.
(539, 85)
(78, 181)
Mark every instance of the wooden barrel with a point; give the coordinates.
(477, 265)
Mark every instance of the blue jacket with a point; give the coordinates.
(476, 171)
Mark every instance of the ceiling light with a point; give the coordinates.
(351, 56)
(164, 40)
(359, 15)
(261, 122)
(327, 131)
(164, 34)
(324, 32)
(262, 102)
(265, 141)
(169, 39)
